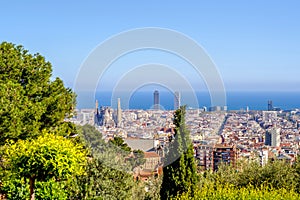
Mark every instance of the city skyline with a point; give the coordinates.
(143, 99)
(150, 99)
(254, 45)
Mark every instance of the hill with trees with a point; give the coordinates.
(44, 157)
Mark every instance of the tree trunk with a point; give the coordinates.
(31, 182)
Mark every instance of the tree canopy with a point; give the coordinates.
(43, 158)
(30, 100)
(119, 142)
(180, 174)
(101, 182)
(106, 174)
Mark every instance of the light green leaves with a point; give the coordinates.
(45, 157)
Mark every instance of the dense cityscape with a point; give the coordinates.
(218, 136)
(150, 100)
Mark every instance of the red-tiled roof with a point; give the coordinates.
(151, 155)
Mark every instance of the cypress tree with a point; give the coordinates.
(179, 173)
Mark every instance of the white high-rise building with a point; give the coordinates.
(272, 137)
(119, 113)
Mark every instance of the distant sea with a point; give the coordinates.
(235, 100)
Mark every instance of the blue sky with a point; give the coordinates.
(255, 44)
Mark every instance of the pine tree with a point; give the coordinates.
(31, 100)
(179, 173)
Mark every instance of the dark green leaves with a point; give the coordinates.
(29, 101)
(180, 175)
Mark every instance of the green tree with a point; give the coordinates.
(180, 175)
(147, 190)
(109, 154)
(296, 167)
(277, 174)
(137, 158)
(228, 191)
(101, 182)
(153, 186)
(42, 159)
(107, 175)
(17, 188)
(119, 142)
(91, 138)
(30, 101)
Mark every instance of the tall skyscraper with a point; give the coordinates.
(156, 100)
(97, 107)
(177, 101)
(119, 113)
(270, 105)
(272, 137)
(97, 116)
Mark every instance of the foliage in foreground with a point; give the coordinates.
(230, 192)
(30, 101)
(18, 189)
(107, 175)
(101, 182)
(49, 157)
(180, 175)
(276, 174)
(211, 191)
(275, 180)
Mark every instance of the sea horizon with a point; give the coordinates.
(235, 100)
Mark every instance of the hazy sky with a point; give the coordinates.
(255, 44)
